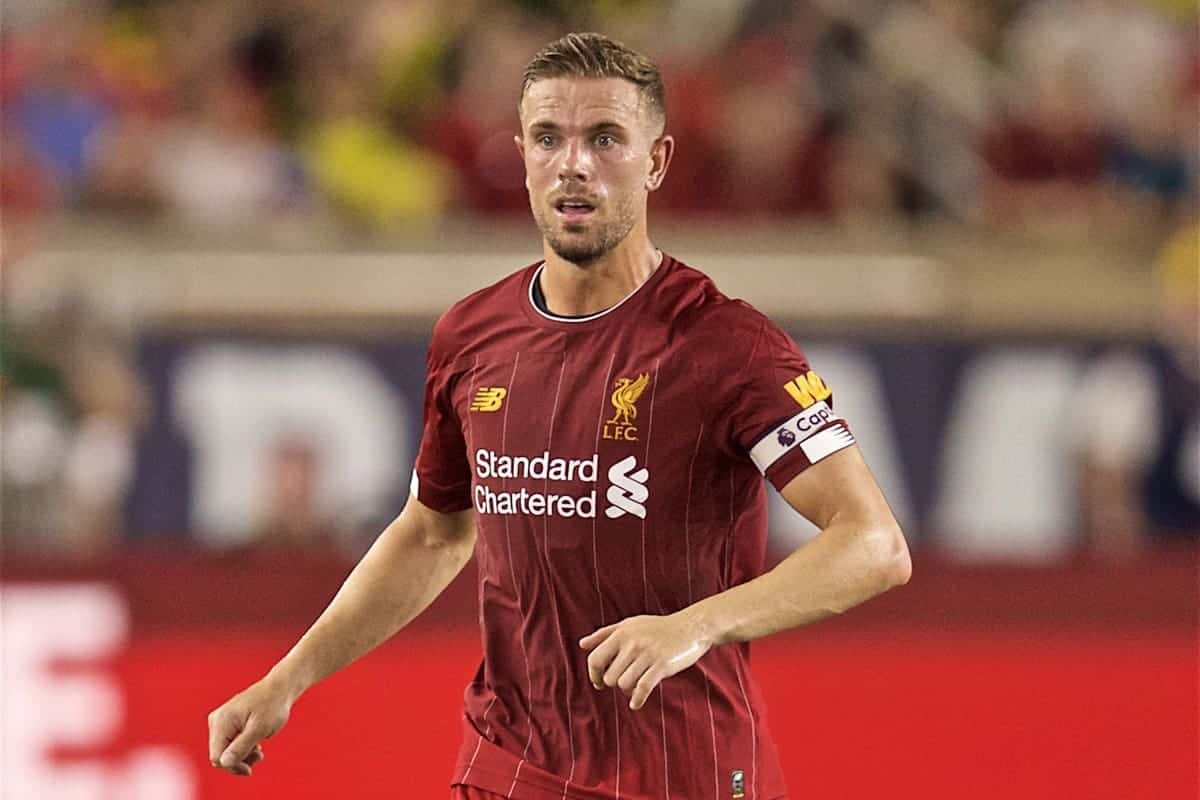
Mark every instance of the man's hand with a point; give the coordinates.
(236, 728)
(639, 653)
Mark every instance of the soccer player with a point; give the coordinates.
(597, 428)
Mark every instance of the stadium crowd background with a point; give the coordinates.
(383, 125)
(386, 115)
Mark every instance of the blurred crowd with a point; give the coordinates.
(387, 116)
(390, 114)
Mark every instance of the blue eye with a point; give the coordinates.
(546, 140)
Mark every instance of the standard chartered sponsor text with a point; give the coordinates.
(545, 466)
(534, 503)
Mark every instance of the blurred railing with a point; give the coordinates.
(943, 279)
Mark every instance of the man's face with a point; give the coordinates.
(592, 151)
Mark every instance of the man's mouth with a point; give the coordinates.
(573, 209)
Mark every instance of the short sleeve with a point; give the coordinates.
(442, 473)
(778, 411)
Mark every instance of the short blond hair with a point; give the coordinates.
(594, 55)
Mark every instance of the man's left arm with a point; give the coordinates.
(859, 553)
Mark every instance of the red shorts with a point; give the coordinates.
(460, 791)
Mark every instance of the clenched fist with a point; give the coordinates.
(236, 729)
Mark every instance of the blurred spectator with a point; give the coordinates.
(695, 179)
(371, 173)
(774, 140)
(1049, 153)
(28, 196)
(198, 134)
(1137, 429)
(863, 183)
(222, 165)
(398, 114)
(1105, 76)
(365, 97)
(58, 108)
(476, 126)
(142, 78)
(70, 399)
(1153, 184)
(766, 148)
(291, 518)
(929, 85)
(72, 405)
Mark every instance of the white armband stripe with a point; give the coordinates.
(809, 424)
(827, 442)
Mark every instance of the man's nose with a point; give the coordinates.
(576, 163)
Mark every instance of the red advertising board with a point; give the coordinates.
(104, 700)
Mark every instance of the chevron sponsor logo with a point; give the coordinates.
(627, 490)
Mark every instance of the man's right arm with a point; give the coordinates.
(409, 565)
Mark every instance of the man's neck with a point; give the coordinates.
(571, 290)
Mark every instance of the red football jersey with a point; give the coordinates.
(615, 466)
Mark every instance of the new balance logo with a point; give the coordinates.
(628, 490)
(489, 398)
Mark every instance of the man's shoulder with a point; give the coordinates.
(481, 310)
(700, 308)
(494, 297)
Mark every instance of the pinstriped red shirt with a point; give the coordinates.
(615, 464)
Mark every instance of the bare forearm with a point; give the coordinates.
(837, 570)
(395, 581)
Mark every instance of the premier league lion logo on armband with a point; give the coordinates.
(786, 437)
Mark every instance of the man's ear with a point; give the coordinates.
(660, 159)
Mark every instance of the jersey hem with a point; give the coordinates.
(491, 781)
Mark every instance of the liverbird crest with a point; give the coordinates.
(626, 392)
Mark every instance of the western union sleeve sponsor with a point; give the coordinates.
(808, 388)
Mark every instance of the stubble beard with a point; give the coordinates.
(573, 243)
